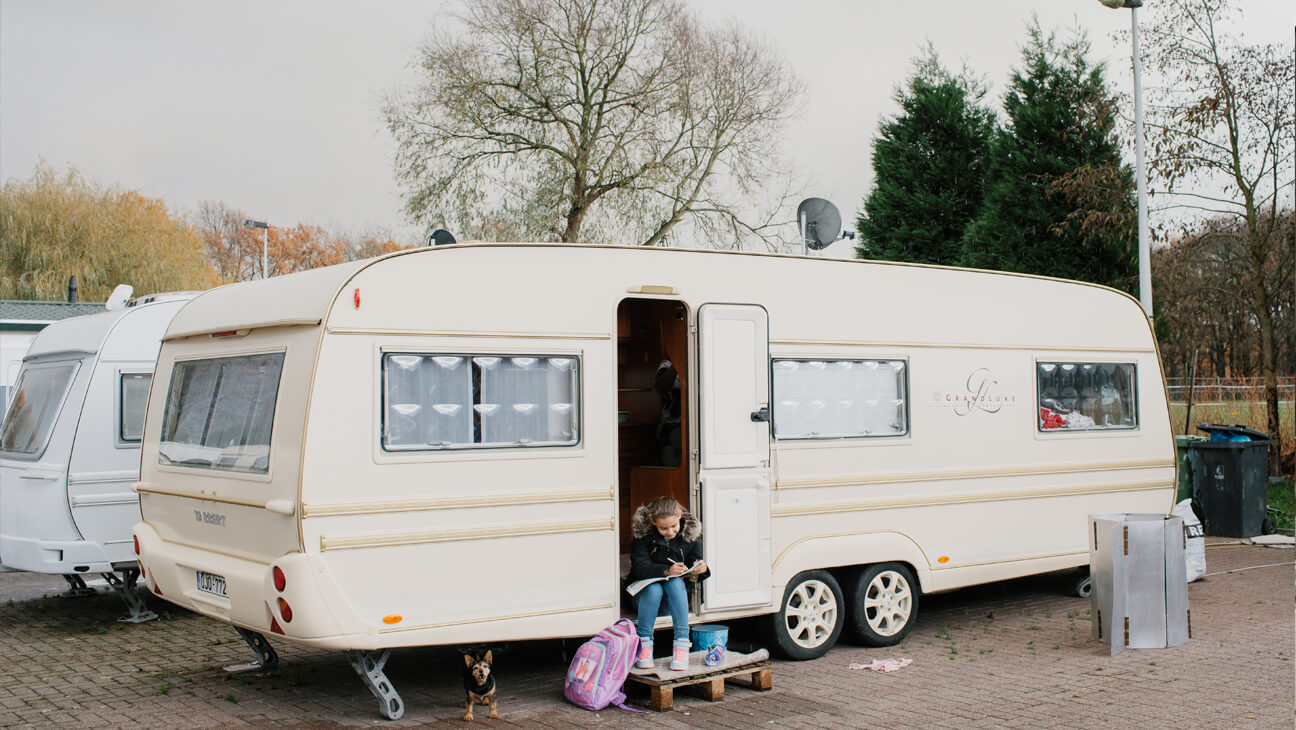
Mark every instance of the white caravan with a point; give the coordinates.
(70, 446)
(20, 321)
(13, 348)
(444, 445)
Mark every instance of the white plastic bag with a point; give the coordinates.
(1195, 554)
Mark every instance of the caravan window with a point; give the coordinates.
(37, 399)
(825, 399)
(132, 401)
(1086, 396)
(436, 401)
(219, 413)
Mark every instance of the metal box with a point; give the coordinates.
(1139, 596)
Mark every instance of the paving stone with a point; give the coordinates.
(1008, 655)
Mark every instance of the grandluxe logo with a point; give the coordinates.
(981, 394)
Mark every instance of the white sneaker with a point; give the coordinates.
(645, 660)
(680, 656)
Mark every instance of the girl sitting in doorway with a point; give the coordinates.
(666, 544)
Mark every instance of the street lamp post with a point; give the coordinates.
(265, 244)
(1140, 172)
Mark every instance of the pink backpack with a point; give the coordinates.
(599, 669)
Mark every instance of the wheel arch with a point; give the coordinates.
(840, 553)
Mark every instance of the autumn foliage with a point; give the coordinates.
(53, 227)
(234, 251)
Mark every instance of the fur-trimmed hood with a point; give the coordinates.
(690, 528)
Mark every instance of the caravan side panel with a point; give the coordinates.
(105, 456)
(452, 545)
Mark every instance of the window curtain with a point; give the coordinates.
(836, 399)
(513, 399)
(526, 399)
(429, 400)
(461, 400)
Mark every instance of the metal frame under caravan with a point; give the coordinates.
(340, 457)
(70, 447)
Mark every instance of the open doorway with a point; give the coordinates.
(652, 405)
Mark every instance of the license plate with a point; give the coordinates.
(212, 583)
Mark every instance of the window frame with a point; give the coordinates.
(119, 407)
(39, 452)
(1135, 409)
(225, 472)
(908, 424)
(578, 422)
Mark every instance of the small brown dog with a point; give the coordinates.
(479, 684)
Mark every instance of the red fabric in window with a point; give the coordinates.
(1050, 419)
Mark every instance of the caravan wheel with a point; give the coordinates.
(810, 620)
(884, 604)
(1083, 586)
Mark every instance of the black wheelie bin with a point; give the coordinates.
(1230, 479)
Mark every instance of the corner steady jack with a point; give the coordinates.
(369, 665)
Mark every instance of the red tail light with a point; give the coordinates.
(279, 580)
(274, 626)
(137, 544)
(285, 610)
(157, 589)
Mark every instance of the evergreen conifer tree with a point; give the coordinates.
(929, 165)
(1058, 201)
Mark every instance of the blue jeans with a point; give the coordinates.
(650, 600)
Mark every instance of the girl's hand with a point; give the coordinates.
(700, 567)
(675, 569)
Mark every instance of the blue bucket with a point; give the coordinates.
(712, 639)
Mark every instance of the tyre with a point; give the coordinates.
(1084, 586)
(883, 604)
(810, 620)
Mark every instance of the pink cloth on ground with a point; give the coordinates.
(883, 665)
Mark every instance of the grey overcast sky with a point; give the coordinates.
(273, 106)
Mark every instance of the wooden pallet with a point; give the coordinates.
(709, 681)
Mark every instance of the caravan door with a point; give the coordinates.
(734, 458)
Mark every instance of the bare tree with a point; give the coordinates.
(558, 119)
(1220, 129)
(365, 244)
(1198, 307)
(233, 251)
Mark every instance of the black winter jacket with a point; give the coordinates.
(651, 554)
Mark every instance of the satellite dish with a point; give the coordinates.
(820, 222)
(120, 295)
(440, 237)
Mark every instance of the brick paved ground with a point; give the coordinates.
(1013, 655)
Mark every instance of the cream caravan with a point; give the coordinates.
(444, 445)
(70, 445)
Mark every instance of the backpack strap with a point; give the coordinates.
(626, 629)
(622, 705)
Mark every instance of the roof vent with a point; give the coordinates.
(120, 295)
